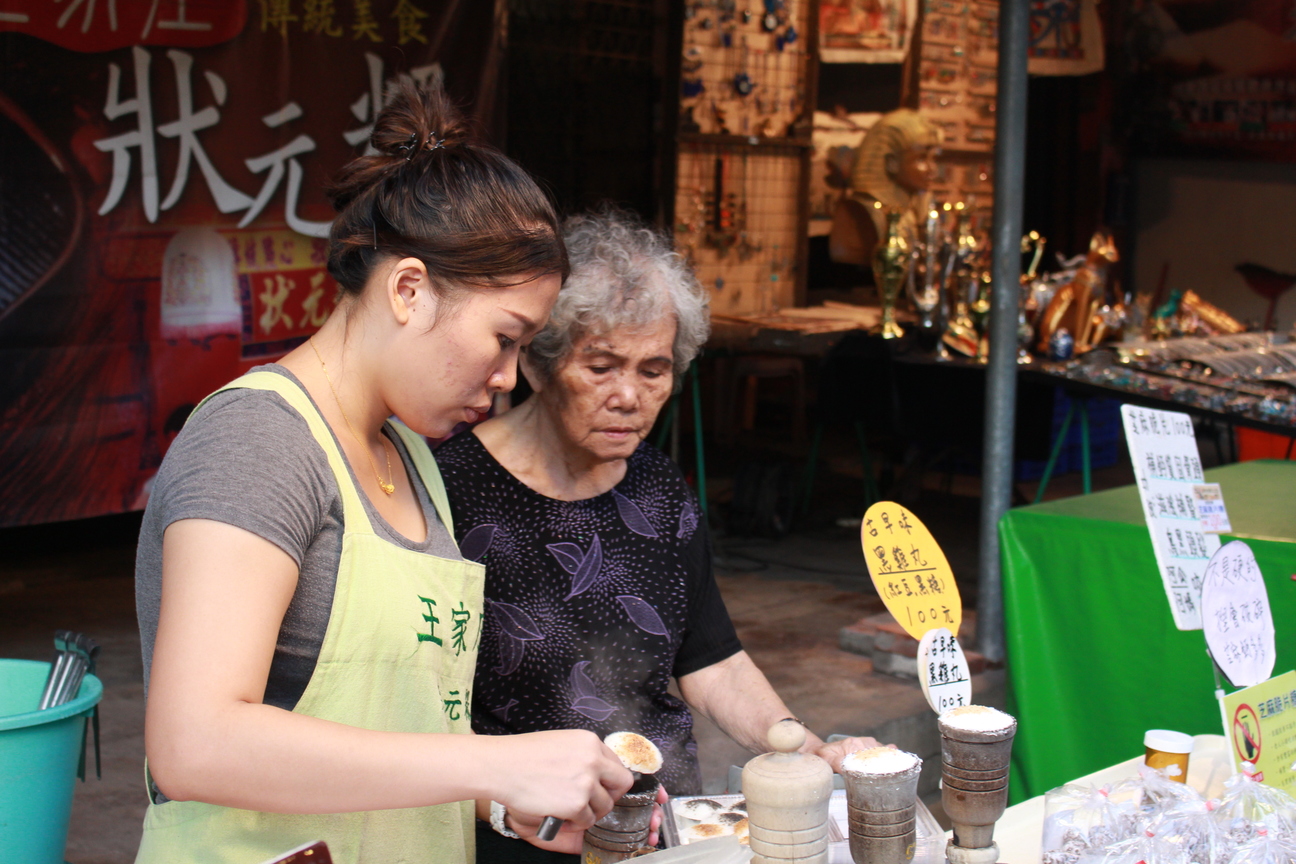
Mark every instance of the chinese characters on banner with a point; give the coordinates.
(1236, 618)
(909, 570)
(1163, 451)
(169, 159)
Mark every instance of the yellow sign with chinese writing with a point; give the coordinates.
(1260, 723)
(909, 570)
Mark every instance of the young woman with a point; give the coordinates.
(309, 627)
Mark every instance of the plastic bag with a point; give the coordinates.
(1249, 806)
(1265, 848)
(1186, 834)
(1079, 818)
(1152, 793)
(1138, 849)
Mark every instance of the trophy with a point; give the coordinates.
(926, 256)
(1032, 289)
(960, 333)
(890, 263)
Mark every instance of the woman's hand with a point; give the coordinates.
(835, 752)
(659, 813)
(567, 773)
(570, 839)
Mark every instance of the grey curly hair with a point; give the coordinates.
(623, 273)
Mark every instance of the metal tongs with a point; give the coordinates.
(74, 656)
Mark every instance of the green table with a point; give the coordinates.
(1094, 659)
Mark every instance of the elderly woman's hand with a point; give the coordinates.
(835, 752)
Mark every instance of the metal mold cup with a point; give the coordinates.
(880, 808)
(974, 783)
(624, 830)
(900, 829)
(881, 818)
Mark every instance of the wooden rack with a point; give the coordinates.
(957, 45)
(742, 150)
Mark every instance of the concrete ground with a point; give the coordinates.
(788, 598)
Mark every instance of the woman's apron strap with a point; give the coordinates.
(353, 511)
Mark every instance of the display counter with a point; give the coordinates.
(1094, 659)
(1018, 832)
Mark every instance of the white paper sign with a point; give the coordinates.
(1210, 508)
(943, 671)
(1236, 618)
(1163, 451)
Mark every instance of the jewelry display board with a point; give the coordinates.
(742, 150)
(957, 88)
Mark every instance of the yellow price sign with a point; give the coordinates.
(909, 570)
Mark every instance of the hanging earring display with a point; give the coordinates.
(742, 82)
(743, 69)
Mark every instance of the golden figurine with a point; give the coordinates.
(1075, 306)
(890, 265)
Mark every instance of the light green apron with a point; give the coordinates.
(398, 656)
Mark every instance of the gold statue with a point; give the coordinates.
(890, 265)
(1075, 305)
(892, 171)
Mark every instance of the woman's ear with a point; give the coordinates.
(528, 369)
(408, 287)
(891, 164)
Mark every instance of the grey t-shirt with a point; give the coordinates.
(248, 459)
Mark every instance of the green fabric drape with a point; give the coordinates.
(1094, 659)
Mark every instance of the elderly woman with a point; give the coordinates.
(599, 587)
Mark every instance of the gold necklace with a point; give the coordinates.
(387, 487)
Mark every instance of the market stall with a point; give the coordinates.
(1095, 659)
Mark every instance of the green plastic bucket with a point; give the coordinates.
(39, 751)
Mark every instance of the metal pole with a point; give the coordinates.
(1001, 374)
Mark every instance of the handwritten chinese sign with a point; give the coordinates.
(943, 671)
(1163, 451)
(1236, 618)
(909, 570)
(1260, 723)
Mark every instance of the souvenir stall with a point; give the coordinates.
(758, 168)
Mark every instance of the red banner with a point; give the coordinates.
(100, 25)
(162, 214)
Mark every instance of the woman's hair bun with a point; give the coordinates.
(436, 192)
(417, 120)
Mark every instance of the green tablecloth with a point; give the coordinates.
(1094, 659)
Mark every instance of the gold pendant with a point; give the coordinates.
(388, 488)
